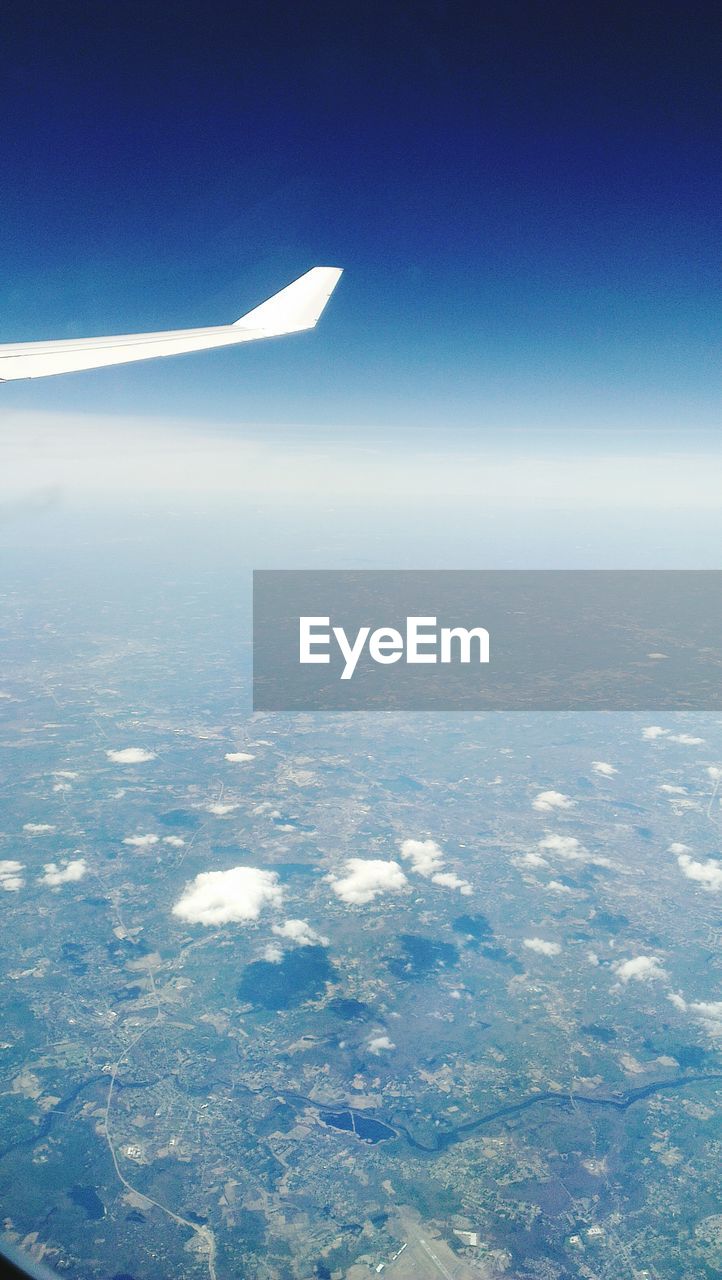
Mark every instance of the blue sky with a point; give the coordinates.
(525, 200)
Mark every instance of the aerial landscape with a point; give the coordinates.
(323, 995)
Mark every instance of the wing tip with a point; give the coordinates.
(297, 307)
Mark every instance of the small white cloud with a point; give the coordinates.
(542, 947)
(239, 757)
(273, 953)
(639, 969)
(556, 886)
(10, 875)
(569, 849)
(676, 847)
(220, 809)
(175, 842)
(606, 770)
(367, 879)
(141, 842)
(64, 874)
(708, 874)
(300, 932)
(450, 880)
(223, 897)
(714, 772)
(427, 859)
(670, 790)
(593, 958)
(380, 1044)
(533, 860)
(130, 755)
(687, 739)
(546, 801)
(11, 884)
(707, 1012)
(654, 731)
(38, 828)
(425, 856)
(65, 773)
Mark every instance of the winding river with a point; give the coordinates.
(373, 1129)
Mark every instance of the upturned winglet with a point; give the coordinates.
(296, 307)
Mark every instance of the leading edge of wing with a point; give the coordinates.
(295, 308)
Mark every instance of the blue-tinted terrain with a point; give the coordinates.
(462, 994)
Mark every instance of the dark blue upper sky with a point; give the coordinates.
(525, 199)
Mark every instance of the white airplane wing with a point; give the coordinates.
(295, 308)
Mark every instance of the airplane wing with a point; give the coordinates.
(295, 308)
